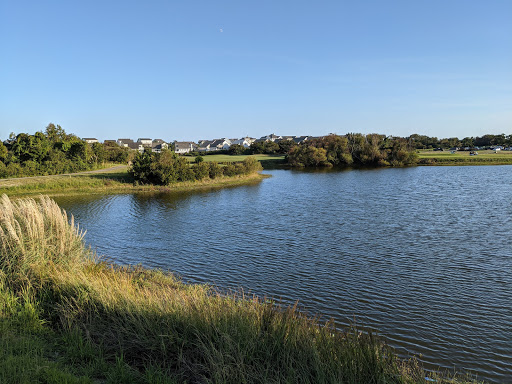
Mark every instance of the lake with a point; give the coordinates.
(422, 255)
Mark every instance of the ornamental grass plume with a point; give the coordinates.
(36, 233)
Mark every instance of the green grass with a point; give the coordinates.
(107, 182)
(235, 158)
(68, 317)
(464, 158)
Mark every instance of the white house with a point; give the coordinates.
(184, 146)
(214, 145)
(244, 141)
(124, 142)
(145, 142)
(158, 145)
(90, 140)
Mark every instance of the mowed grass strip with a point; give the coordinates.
(485, 157)
(236, 158)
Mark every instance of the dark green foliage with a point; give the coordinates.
(286, 145)
(236, 149)
(266, 147)
(354, 148)
(215, 170)
(201, 170)
(426, 142)
(53, 152)
(167, 168)
(199, 159)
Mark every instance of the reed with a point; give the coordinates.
(130, 324)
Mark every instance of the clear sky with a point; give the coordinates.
(206, 69)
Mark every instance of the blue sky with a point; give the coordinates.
(207, 69)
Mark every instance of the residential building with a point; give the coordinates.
(124, 142)
(184, 146)
(147, 143)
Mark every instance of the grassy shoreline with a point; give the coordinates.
(67, 316)
(115, 182)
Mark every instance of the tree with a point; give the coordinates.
(98, 153)
(286, 145)
(3, 151)
(236, 149)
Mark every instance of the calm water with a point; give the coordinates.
(422, 255)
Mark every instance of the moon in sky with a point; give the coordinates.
(221, 30)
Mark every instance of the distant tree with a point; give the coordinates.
(199, 159)
(215, 170)
(257, 147)
(271, 147)
(236, 149)
(201, 170)
(286, 145)
(99, 153)
(3, 152)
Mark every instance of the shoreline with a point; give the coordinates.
(73, 317)
(111, 183)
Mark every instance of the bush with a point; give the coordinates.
(201, 170)
(215, 170)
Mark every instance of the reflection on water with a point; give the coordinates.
(423, 255)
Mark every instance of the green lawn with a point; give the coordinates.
(234, 158)
(464, 158)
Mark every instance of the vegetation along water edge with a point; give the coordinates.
(66, 315)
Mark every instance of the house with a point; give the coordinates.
(300, 139)
(147, 143)
(158, 145)
(204, 145)
(135, 146)
(244, 141)
(271, 137)
(90, 140)
(214, 145)
(124, 142)
(220, 144)
(184, 146)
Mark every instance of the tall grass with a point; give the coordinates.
(150, 327)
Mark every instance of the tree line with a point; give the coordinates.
(415, 141)
(54, 152)
(167, 167)
(353, 149)
(426, 142)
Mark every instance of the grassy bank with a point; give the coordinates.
(67, 317)
(464, 158)
(108, 182)
(265, 160)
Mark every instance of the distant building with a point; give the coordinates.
(135, 146)
(184, 146)
(90, 140)
(271, 137)
(214, 145)
(124, 142)
(244, 141)
(145, 142)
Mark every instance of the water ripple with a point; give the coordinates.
(422, 255)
